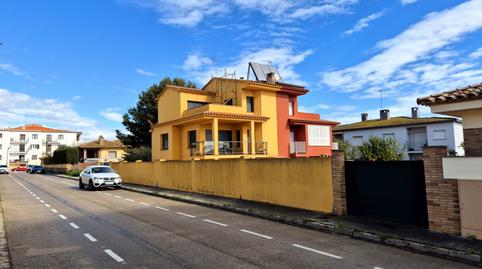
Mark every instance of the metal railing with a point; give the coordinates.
(50, 142)
(206, 148)
(18, 141)
(298, 147)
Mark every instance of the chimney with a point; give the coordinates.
(364, 116)
(271, 78)
(101, 139)
(415, 112)
(384, 114)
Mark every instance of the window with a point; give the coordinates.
(165, 141)
(250, 103)
(22, 148)
(318, 135)
(1, 135)
(112, 155)
(357, 140)
(191, 139)
(34, 136)
(34, 157)
(61, 137)
(193, 104)
(35, 146)
(1, 146)
(439, 135)
(101, 169)
(0, 157)
(291, 108)
(22, 137)
(390, 135)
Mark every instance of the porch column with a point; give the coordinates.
(244, 139)
(253, 140)
(215, 136)
(85, 154)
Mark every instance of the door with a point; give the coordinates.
(85, 176)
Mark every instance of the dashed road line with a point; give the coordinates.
(114, 256)
(185, 215)
(47, 205)
(146, 204)
(108, 194)
(127, 199)
(38, 198)
(162, 208)
(62, 216)
(74, 225)
(54, 210)
(215, 222)
(318, 251)
(117, 196)
(90, 237)
(256, 234)
(42, 201)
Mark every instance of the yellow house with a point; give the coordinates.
(101, 150)
(227, 118)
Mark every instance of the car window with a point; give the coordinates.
(97, 170)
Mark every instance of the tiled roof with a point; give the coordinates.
(312, 121)
(102, 143)
(463, 94)
(37, 128)
(392, 122)
(186, 89)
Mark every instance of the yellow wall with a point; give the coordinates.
(104, 154)
(168, 105)
(300, 183)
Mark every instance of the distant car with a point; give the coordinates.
(99, 176)
(21, 168)
(36, 169)
(3, 169)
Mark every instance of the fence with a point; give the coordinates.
(62, 168)
(300, 183)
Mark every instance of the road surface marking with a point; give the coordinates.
(146, 204)
(54, 210)
(107, 194)
(38, 198)
(47, 205)
(317, 251)
(114, 256)
(186, 215)
(215, 222)
(377, 267)
(90, 237)
(62, 216)
(162, 208)
(117, 196)
(42, 201)
(257, 234)
(127, 199)
(74, 225)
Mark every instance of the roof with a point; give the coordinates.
(186, 89)
(37, 128)
(102, 143)
(312, 121)
(468, 93)
(392, 122)
(212, 114)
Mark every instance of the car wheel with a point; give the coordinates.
(81, 185)
(91, 185)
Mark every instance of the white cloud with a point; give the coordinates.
(364, 22)
(476, 54)
(195, 62)
(76, 98)
(145, 73)
(9, 68)
(407, 2)
(112, 114)
(315, 108)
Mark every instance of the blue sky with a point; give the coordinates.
(80, 64)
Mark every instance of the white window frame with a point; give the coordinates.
(440, 131)
(291, 108)
(355, 138)
(319, 135)
(34, 136)
(391, 135)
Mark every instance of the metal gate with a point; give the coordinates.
(392, 190)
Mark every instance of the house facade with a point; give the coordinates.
(101, 151)
(414, 132)
(28, 144)
(230, 118)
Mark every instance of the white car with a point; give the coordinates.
(3, 169)
(99, 176)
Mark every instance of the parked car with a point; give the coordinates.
(36, 169)
(3, 169)
(99, 176)
(21, 168)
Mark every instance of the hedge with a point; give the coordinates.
(65, 155)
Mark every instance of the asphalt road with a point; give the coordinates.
(50, 223)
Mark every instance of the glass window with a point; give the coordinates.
(191, 139)
(318, 135)
(193, 104)
(357, 140)
(0, 146)
(291, 108)
(112, 155)
(1, 135)
(61, 136)
(439, 135)
(97, 170)
(34, 157)
(389, 135)
(22, 137)
(0, 157)
(165, 141)
(34, 136)
(22, 148)
(250, 103)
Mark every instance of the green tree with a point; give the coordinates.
(381, 149)
(138, 119)
(141, 153)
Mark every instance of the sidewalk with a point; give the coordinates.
(408, 237)
(4, 252)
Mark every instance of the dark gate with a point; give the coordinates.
(392, 190)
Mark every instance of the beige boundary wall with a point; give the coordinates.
(300, 183)
(62, 168)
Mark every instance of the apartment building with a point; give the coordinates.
(231, 118)
(29, 143)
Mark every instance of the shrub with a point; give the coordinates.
(141, 153)
(381, 149)
(73, 173)
(66, 155)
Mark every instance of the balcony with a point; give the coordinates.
(50, 142)
(215, 108)
(18, 141)
(206, 148)
(298, 147)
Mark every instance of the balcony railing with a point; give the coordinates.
(18, 141)
(206, 148)
(50, 142)
(298, 147)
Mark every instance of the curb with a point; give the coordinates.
(389, 240)
(5, 262)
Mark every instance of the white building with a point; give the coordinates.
(414, 132)
(29, 143)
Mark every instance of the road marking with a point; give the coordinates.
(117, 196)
(54, 210)
(114, 256)
(90, 237)
(376, 267)
(146, 204)
(215, 222)
(62, 216)
(42, 201)
(318, 251)
(47, 205)
(127, 199)
(107, 194)
(74, 225)
(38, 198)
(162, 208)
(257, 234)
(186, 215)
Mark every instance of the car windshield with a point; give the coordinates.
(38, 167)
(97, 170)
(3, 166)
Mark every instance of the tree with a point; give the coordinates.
(141, 153)
(381, 149)
(138, 119)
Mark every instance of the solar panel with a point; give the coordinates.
(261, 71)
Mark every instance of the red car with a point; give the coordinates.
(20, 168)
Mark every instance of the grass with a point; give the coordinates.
(73, 173)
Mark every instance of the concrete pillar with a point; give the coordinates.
(253, 136)
(244, 139)
(85, 154)
(338, 182)
(442, 194)
(215, 136)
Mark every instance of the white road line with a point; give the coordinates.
(257, 234)
(62, 216)
(162, 208)
(42, 201)
(376, 267)
(90, 237)
(318, 251)
(114, 256)
(127, 199)
(74, 225)
(54, 210)
(117, 196)
(107, 194)
(186, 215)
(38, 198)
(47, 205)
(146, 204)
(215, 222)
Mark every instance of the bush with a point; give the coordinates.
(66, 155)
(375, 149)
(73, 173)
(141, 153)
